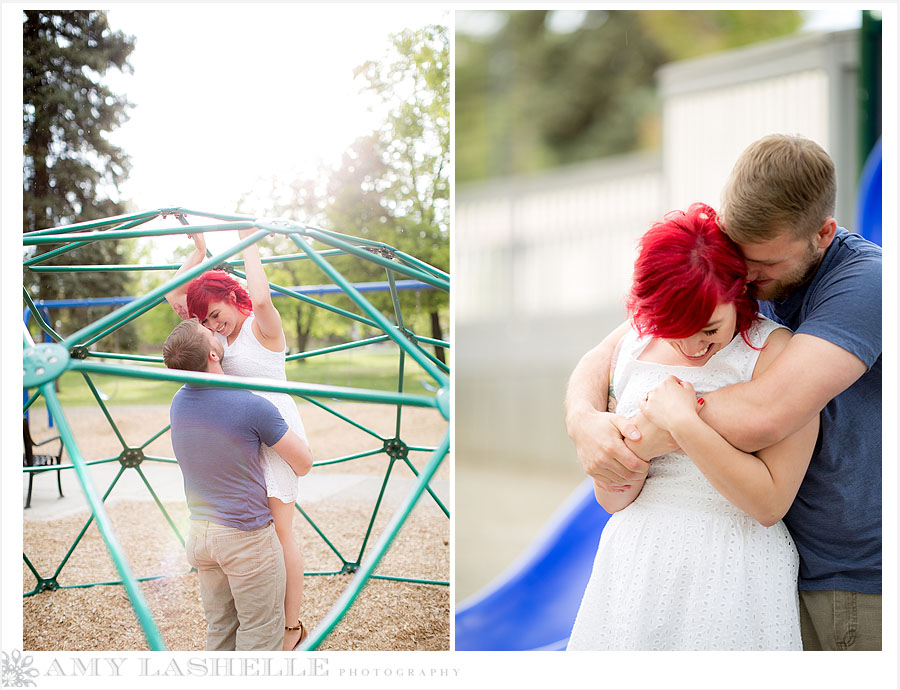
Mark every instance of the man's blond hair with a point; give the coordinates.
(187, 347)
(780, 183)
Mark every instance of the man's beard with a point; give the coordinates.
(781, 289)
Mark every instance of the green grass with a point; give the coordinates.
(374, 371)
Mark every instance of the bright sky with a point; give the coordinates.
(227, 93)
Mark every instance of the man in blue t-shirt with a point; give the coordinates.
(825, 284)
(216, 434)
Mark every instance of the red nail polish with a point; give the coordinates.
(700, 401)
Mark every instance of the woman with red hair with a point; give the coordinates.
(249, 327)
(695, 555)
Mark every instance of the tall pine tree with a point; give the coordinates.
(70, 167)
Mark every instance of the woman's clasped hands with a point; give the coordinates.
(670, 403)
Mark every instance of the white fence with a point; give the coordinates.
(713, 107)
(550, 244)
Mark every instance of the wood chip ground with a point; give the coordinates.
(387, 615)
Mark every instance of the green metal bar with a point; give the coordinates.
(225, 381)
(381, 261)
(348, 596)
(348, 458)
(312, 524)
(384, 483)
(316, 303)
(54, 468)
(428, 488)
(29, 239)
(32, 568)
(100, 223)
(159, 292)
(96, 268)
(119, 324)
(400, 390)
(413, 580)
(418, 263)
(155, 436)
(290, 358)
(40, 258)
(294, 257)
(313, 573)
(106, 414)
(345, 418)
(160, 505)
(338, 348)
(129, 358)
(36, 313)
(154, 458)
(395, 299)
(87, 524)
(31, 400)
(142, 611)
(148, 578)
(375, 244)
(438, 363)
(41, 470)
(151, 267)
(432, 341)
(367, 307)
(399, 314)
(338, 240)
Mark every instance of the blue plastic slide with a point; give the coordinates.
(868, 204)
(533, 604)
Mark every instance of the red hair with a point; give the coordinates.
(686, 267)
(216, 286)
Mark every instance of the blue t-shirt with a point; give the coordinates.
(836, 518)
(216, 434)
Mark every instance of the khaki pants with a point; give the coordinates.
(242, 583)
(837, 620)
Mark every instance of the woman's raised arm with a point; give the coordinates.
(268, 320)
(177, 298)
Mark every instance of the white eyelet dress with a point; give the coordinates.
(682, 568)
(246, 356)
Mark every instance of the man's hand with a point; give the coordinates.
(295, 452)
(654, 441)
(599, 443)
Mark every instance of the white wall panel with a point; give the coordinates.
(562, 245)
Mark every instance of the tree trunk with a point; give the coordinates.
(303, 331)
(437, 335)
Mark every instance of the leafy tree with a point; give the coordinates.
(531, 96)
(70, 167)
(414, 83)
